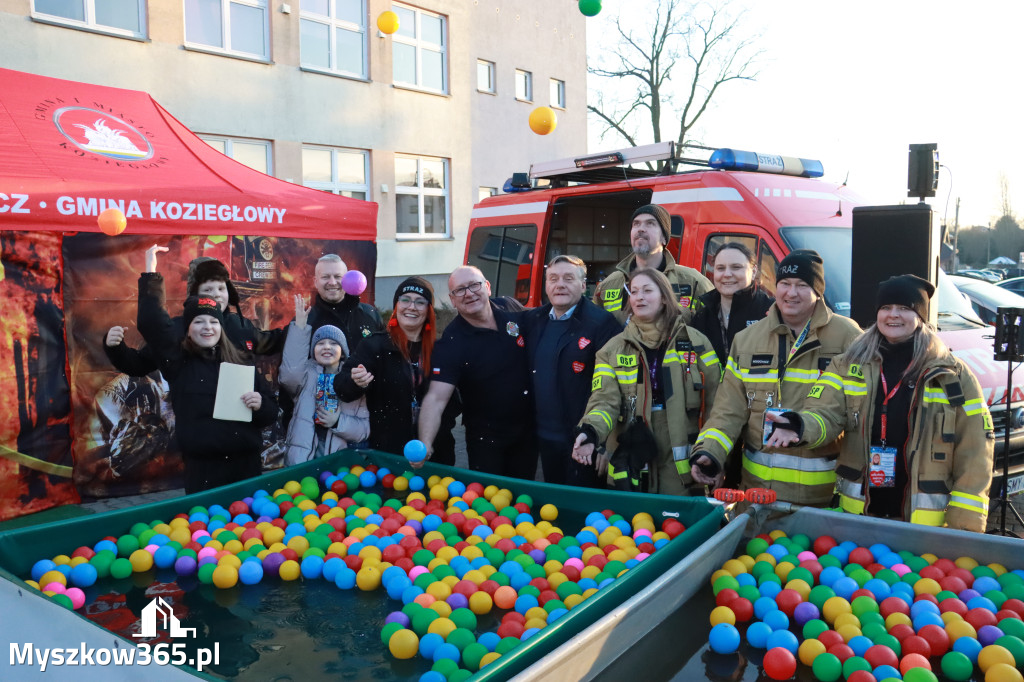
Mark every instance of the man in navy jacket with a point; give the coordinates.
(562, 340)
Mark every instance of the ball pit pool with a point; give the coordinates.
(684, 641)
(290, 602)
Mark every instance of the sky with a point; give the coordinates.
(854, 83)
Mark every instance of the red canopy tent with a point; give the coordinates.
(68, 151)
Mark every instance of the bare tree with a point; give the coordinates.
(1004, 196)
(680, 55)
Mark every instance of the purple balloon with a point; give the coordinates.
(538, 556)
(397, 617)
(967, 595)
(415, 525)
(988, 634)
(805, 611)
(457, 600)
(272, 563)
(185, 565)
(353, 282)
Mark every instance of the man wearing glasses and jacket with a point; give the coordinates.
(482, 352)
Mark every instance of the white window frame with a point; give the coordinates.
(419, 44)
(335, 186)
(90, 21)
(225, 16)
(420, 191)
(229, 142)
(556, 91)
(492, 73)
(333, 24)
(528, 82)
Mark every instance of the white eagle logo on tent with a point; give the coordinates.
(102, 138)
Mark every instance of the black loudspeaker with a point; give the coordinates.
(923, 170)
(888, 241)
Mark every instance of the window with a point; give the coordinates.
(485, 76)
(524, 85)
(339, 171)
(501, 254)
(120, 17)
(419, 49)
(253, 153)
(234, 26)
(557, 93)
(421, 196)
(333, 36)
(485, 192)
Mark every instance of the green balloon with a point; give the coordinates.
(920, 675)
(1015, 645)
(827, 667)
(590, 8)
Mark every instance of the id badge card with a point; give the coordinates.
(766, 426)
(882, 467)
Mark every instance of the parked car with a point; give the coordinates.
(1014, 284)
(983, 275)
(986, 298)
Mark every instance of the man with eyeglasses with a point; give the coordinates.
(562, 340)
(649, 235)
(483, 353)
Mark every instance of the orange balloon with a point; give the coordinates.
(112, 222)
(387, 22)
(543, 120)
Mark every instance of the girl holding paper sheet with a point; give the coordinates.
(215, 451)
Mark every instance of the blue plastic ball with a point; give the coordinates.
(433, 676)
(776, 620)
(447, 650)
(367, 479)
(860, 644)
(164, 557)
(725, 638)
(757, 635)
(491, 639)
(415, 451)
(969, 647)
(416, 483)
(763, 606)
(429, 643)
(885, 672)
(312, 567)
(84, 575)
(345, 578)
(785, 639)
(250, 572)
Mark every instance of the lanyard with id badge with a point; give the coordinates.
(769, 399)
(882, 462)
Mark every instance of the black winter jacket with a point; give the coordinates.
(748, 306)
(389, 397)
(590, 328)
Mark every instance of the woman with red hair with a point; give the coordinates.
(392, 369)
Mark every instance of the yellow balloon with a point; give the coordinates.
(543, 120)
(387, 22)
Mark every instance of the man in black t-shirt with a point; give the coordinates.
(483, 354)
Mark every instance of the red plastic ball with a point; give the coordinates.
(725, 596)
(388, 481)
(862, 593)
(944, 565)
(742, 608)
(489, 586)
(861, 676)
(916, 644)
(862, 556)
(513, 616)
(979, 617)
(932, 572)
(83, 552)
(830, 638)
(953, 584)
(511, 629)
(779, 664)
(925, 596)
(963, 574)
(823, 543)
(813, 566)
(892, 605)
(937, 639)
(339, 488)
(1006, 613)
(788, 600)
(840, 651)
(952, 604)
(914, 661)
(878, 655)
(353, 561)
(1015, 605)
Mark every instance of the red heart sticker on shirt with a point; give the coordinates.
(578, 366)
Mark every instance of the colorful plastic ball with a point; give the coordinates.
(724, 638)
(757, 635)
(250, 572)
(1015, 646)
(590, 8)
(779, 664)
(112, 222)
(367, 479)
(84, 575)
(1003, 672)
(723, 614)
(776, 620)
(225, 576)
(447, 651)
(76, 596)
(404, 644)
(387, 22)
(783, 639)
(827, 668)
(910, 661)
(185, 565)
(956, 666)
(353, 283)
(993, 654)
(988, 634)
(120, 568)
(543, 120)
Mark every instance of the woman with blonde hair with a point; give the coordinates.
(918, 441)
(652, 385)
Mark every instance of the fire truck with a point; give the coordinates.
(773, 204)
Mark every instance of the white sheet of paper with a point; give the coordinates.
(234, 381)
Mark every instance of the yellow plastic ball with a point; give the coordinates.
(966, 562)
(441, 608)
(735, 567)
(538, 623)
(292, 487)
(549, 512)
(225, 576)
(960, 628)
(848, 631)
(438, 590)
(1003, 672)
(290, 570)
(844, 619)
(387, 22)
(783, 569)
(488, 658)
(55, 577)
(404, 644)
(809, 650)
(75, 561)
(441, 626)
(368, 578)
(543, 120)
(833, 607)
(722, 614)
(896, 618)
(141, 560)
(536, 612)
(993, 654)
(480, 603)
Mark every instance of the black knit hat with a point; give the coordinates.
(414, 285)
(908, 290)
(205, 269)
(806, 265)
(201, 305)
(659, 213)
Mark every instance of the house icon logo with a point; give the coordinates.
(158, 609)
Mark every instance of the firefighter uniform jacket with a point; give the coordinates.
(690, 377)
(762, 373)
(687, 284)
(949, 451)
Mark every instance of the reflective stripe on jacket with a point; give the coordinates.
(949, 452)
(621, 386)
(687, 284)
(800, 475)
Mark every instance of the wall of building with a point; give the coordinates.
(485, 136)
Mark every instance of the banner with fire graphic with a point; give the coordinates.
(70, 424)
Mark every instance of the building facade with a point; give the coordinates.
(424, 121)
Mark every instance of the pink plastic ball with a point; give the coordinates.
(198, 534)
(641, 556)
(76, 596)
(353, 282)
(901, 569)
(206, 552)
(417, 571)
(152, 548)
(576, 563)
(54, 587)
(806, 555)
